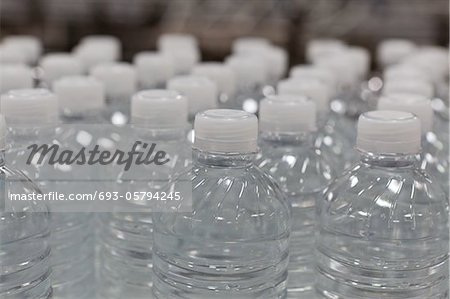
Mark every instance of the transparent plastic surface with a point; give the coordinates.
(383, 233)
(72, 233)
(234, 243)
(126, 238)
(303, 172)
(25, 269)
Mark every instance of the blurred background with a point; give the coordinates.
(288, 23)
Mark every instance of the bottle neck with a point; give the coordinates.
(225, 160)
(299, 139)
(389, 160)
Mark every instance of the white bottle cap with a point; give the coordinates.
(226, 131)
(317, 48)
(201, 92)
(32, 46)
(325, 75)
(107, 42)
(220, 73)
(119, 78)
(249, 44)
(30, 106)
(159, 108)
(388, 132)
(391, 51)
(153, 68)
(12, 54)
(314, 89)
(15, 76)
(416, 86)
(58, 65)
(404, 72)
(413, 103)
(249, 71)
(3, 132)
(287, 114)
(361, 60)
(79, 93)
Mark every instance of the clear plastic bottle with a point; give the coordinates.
(287, 128)
(225, 79)
(153, 69)
(434, 159)
(201, 92)
(120, 80)
(234, 242)
(331, 137)
(252, 75)
(25, 269)
(383, 225)
(57, 65)
(158, 116)
(32, 115)
(182, 48)
(82, 111)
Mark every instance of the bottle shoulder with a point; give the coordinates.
(381, 201)
(233, 202)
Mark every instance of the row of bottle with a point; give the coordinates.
(123, 255)
(237, 237)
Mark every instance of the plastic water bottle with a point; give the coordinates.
(24, 246)
(182, 48)
(33, 117)
(153, 69)
(158, 116)
(234, 242)
(201, 93)
(251, 75)
(58, 65)
(287, 128)
(15, 76)
(434, 158)
(349, 68)
(225, 79)
(82, 106)
(329, 138)
(120, 82)
(273, 58)
(383, 225)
